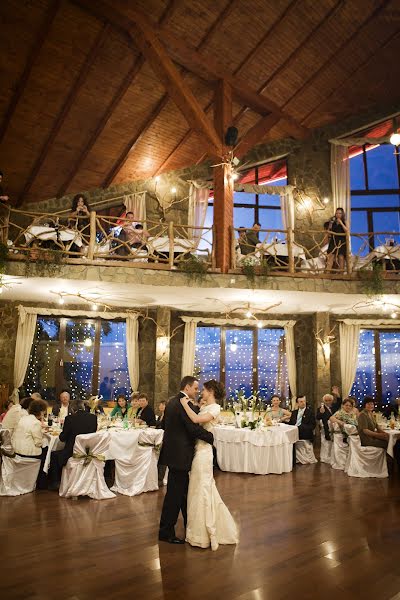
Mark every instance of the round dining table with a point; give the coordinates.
(261, 451)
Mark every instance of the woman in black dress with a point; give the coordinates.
(337, 248)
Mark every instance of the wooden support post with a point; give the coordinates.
(233, 247)
(213, 255)
(171, 243)
(92, 240)
(223, 181)
(290, 241)
(348, 254)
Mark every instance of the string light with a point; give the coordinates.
(173, 190)
(94, 306)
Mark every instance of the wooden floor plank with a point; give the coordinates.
(314, 533)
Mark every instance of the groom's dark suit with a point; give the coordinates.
(177, 454)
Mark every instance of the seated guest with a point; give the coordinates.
(93, 406)
(370, 433)
(8, 404)
(345, 416)
(145, 412)
(122, 408)
(15, 413)
(133, 410)
(36, 396)
(63, 407)
(160, 424)
(78, 422)
(393, 408)
(28, 435)
(325, 412)
(303, 417)
(243, 245)
(277, 412)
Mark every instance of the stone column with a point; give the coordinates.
(163, 333)
(322, 356)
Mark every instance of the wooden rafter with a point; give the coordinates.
(334, 9)
(121, 91)
(98, 44)
(255, 134)
(192, 60)
(33, 55)
(328, 62)
(229, 8)
(349, 78)
(153, 50)
(134, 141)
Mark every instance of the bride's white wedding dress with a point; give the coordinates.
(209, 520)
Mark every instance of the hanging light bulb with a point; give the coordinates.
(235, 176)
(233, 346)
(395, 139)
(61, 300)
(325, 200)
(249, 314)
(173, 190)
(259, 324)
(94, 306)
(87, 343)
(393, 315)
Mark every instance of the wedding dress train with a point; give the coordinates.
(209, 521)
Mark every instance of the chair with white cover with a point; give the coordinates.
(18, 475)
(83, 475)
(366, 461)
(305, 452)
(326, 447)
(137, 471)
(340, 449)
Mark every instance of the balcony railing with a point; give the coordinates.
(99, 239)
(103, 239)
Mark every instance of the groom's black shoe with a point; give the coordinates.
(171, 540)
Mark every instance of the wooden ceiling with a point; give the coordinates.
(81, 107)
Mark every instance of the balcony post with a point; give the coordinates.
(92, 240)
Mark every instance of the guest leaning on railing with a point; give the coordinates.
(79, 218)
(337, 248)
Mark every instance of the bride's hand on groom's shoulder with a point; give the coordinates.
(184, 400)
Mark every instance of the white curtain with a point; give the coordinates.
(287, 209)
(340, 179)
(25, 335)
(198, 203)
(136, 203)
(291, 359)
(349, 340)
(132, 350)
(189, 346)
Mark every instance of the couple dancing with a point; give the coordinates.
(187, 446)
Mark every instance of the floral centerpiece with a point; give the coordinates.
(247, 409)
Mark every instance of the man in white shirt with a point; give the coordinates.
(63, 408)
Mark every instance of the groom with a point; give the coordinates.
(177, 454)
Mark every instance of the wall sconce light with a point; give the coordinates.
(162, 344)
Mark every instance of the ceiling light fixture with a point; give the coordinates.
(395, 137)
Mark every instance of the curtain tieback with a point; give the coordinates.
(157, 447)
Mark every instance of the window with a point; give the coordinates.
(261, 208)
(86, 356)
(375, 191)
(244, 358)
(378, 369)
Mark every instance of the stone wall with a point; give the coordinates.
(8, 336)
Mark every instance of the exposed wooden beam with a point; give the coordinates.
(68, 102)
(334, 9)
(252, 53)
(123, 88)
(222, 108)
(255, 134)
(331, 97)
(245, 60)
(33, 55)
(204, 67)
(333, 57)
(134, 141)
(224, 14)
(169, 12)
(347, 80)
(153, 50)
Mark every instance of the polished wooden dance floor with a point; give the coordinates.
(314, 533)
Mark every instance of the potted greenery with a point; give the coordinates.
(194, 268)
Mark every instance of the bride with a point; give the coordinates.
(209, 521)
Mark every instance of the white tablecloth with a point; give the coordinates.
(263, 451)
(123, 443)
(387, 252)
(161, 244)
(43, 233)
(394, 435)
(279, 249)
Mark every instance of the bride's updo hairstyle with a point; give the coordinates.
(217, 387)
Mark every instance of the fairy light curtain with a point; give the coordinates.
(189, 345)
(26, 331)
